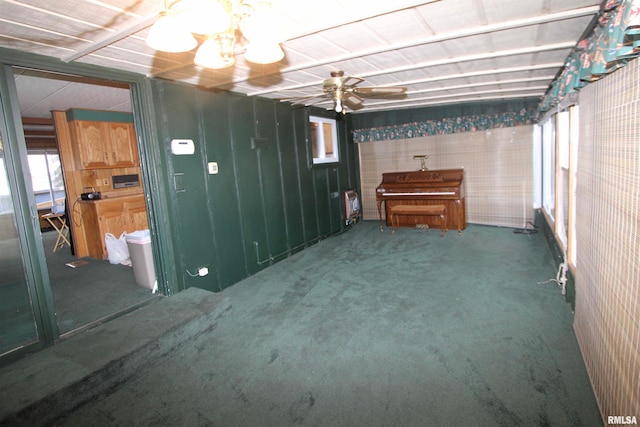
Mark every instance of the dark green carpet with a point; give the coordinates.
(91, 292)
(374, 329)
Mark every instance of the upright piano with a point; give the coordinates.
(428, 187)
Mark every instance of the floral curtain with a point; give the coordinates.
(614, 41)
(524, 116)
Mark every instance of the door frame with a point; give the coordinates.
(153, 175)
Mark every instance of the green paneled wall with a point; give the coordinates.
(180, 115)
(266, 202)
(290, 160)
(222, 191)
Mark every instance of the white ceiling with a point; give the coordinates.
(446, 51)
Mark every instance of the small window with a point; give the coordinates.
(324, 140)
(46, 177)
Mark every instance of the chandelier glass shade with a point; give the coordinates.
(220, 22)
(167, 34)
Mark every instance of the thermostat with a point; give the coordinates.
(182, 146)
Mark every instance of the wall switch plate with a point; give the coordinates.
(178, 182)
(213, 168)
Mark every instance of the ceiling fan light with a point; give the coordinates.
(209, 55)
(260, 52)
(338, 106)
(167, 35)
(262, 24)
(202, 16)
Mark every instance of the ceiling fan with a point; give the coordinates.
(344, 92)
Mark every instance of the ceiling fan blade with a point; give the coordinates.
(353, 102)
(351, 81)
(307, 100)
(340, 89)
(379, 90)
(352, 98)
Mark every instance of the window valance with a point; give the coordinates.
(476, 122)
(614, 41)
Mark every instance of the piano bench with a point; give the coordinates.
(424, 210)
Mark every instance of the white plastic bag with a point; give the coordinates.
(117, 250)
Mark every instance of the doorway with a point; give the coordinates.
(86, 290)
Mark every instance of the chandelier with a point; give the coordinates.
(219, 22)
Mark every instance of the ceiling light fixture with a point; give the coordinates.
(220, 22)
(338, 105)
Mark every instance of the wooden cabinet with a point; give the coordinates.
(115, 216)
(104, 144)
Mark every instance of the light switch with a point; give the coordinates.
(213, 168)
(177, 180)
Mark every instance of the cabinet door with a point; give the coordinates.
(91, 144)
(122, 139)
(113, 222)
(137, 212)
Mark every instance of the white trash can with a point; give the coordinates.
(139, 244)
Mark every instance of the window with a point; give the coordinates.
(324, 140)
(549, 168)
(573, 168)
(562, 178)
(559, 165)
(46, 178)
(5, 194)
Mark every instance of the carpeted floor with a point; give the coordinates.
(373, 329)
(92, 292)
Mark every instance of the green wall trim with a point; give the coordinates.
(448, 125)
(99, 116)
(152, 168)
(26, 217)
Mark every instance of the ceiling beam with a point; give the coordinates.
(547, 78)
(112, 39)
(549, 65)
(484, 29)
(451, 101)
(539, 89)
(446, 61)
(481, 73)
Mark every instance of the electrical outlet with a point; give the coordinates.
(213, 167)
(203, 271)
(105, 181)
